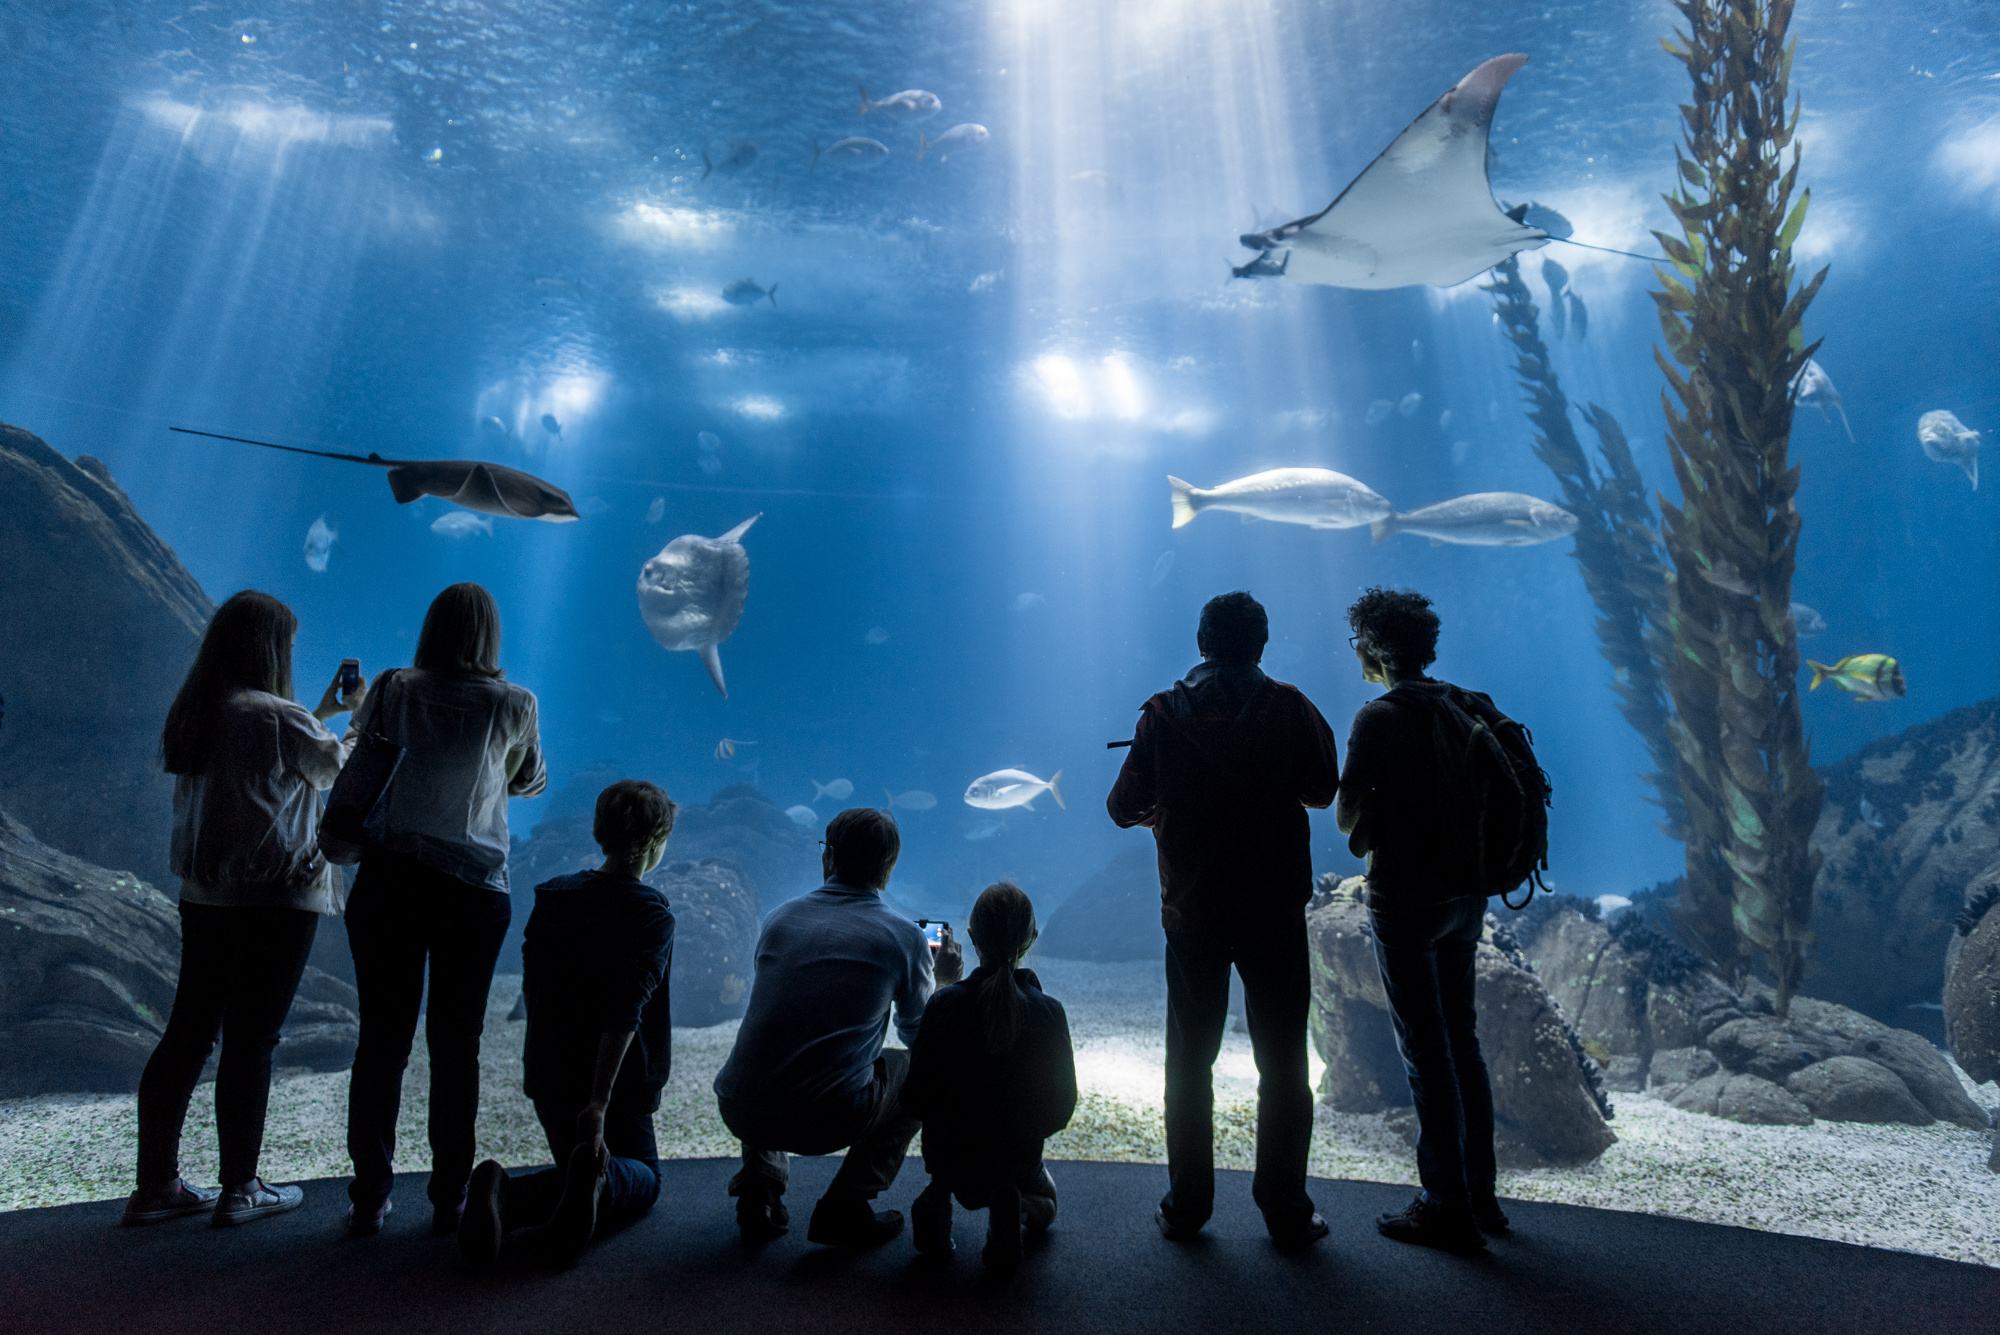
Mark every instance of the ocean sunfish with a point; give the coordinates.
(1005, 788)
(691, 595)
(1315, 497)
(1483, 519)
(1421, 212)
(1947, 440)
(491, 489)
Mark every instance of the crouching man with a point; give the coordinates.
(809, 1074)
(595, 960)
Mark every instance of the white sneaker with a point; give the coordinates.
(253, 1200)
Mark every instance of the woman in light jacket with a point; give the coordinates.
(432, 889)
(251, 765)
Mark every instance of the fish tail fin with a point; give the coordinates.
(713, 662)
(819, 790)
(1056, 792)
(1848, 427)
(1380, 530)
(1972, 471)
(888, 800)
(923, 142)
(1184, 507)
(815, 162)
(772, 293)
(706, 166)
(1820, 673)
(865, 103)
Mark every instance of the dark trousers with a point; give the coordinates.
(877, 1138)
(632, 1172)
(1277, 994)
(401, 915)
(239, 969)
(1426, 954)
(974, 1187)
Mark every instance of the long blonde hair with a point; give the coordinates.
(1002, 928)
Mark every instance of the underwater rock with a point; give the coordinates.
(1115, 915)
(1885, 900)
(1546, 1109)
(1743, 1098)
(1683, 1013)
(1972, 981)
(1924, 1072)
(87, 973)
(715, 938)
(1674, 1069)
(1854, 1089)
(98, 623)
(1760, 1046)
(1600, 986)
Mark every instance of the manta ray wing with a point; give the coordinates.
(480, 491)
(1422, 211)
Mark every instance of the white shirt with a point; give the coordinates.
(469, 743)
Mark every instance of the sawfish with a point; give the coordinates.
(691, 595)
(491, 489)
(1421, 212)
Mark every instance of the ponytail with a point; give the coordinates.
(1002, 928)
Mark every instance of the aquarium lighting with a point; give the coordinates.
(1120, 389)
(759, 408)
(264, 122)
(1062, 383)
(688, 303)
(667, 225)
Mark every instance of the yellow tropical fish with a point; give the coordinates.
(1863, 676)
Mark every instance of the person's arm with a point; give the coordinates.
(920, 1086)
(307, 749)
(610, 1052)
(365, 714)
(1058, 1083)
(1319, 760)
(527, 773)
(1359, 781)
(638, 967)
(919, 981)
(1133, 799)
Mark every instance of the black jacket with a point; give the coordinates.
(1222, 769)
(595, 959)
(983, 1112)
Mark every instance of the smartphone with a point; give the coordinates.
(936, 937)
(350, 675)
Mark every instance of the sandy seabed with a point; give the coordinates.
(1919, 1189)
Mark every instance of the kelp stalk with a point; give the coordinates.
(1617, 542)
(1733, 329)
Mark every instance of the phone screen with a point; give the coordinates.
(350, 677)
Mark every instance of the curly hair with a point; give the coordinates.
(1395, 627)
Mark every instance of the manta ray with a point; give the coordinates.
(491, 489)
(691, 595)
(1422, 212)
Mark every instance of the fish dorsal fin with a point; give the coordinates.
(736, 535)
(481, 491)
(712, 660)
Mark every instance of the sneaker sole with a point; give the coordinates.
(140, 1218)
(231, 1218)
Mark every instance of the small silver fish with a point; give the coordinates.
(914, 800)
(1024, 601)
(1161, 569)
(1005, 788)
(803, 816)
(740, 155)
(957, 137)
(551, 425)
(745, 292)
(912, 104)
(875, 635)
(839, 790)
(1378, 412)
(1807, 622)
(319, 545)
(1815, 387)
(1411, 402)
(1947, 440)
(1315, 497)
(657, 510)
(853, 153)
(1871, 817)
(459, 524)
(1483, 519)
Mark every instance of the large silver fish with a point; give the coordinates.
(691, 595)
(1947, 440)
(1483, 519)
(1315, 497)
(1005, 788)
(491, 489)
(912, 104)
(1421, 212)
(1815, 387)
(957, 137)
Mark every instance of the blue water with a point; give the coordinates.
(374, 227)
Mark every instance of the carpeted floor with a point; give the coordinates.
(1103, 1268)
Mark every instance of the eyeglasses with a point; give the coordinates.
(1354, 641)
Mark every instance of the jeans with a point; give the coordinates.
(632, 1170)
(877, 1138)
(1426, 954)
(974, 1188)
(401, 914)
(239, 969)
(1277, 994)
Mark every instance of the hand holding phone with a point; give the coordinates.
(343, 693)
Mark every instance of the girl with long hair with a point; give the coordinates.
(991, 1077)
(431, 893)
(249, 765)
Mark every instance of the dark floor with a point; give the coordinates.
(1104, 1268)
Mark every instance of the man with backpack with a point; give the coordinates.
(1443, 797)
(1222, 769)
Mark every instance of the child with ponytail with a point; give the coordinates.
(991, 1077)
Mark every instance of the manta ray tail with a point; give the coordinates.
(1056, 792)
(713, 662)
(1184, 507)
(1380, 530)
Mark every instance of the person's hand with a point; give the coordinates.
(590, 1128)
(947, 957)
(335, 702)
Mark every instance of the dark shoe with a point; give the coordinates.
(1304, 1233)
(1486, 1213)
(761, 1216)
(848, 1222)
(177, 1202)
(1038, 1204)
(575, 1220)
(1428, 1224)
(366, 1222)
(1173, 1231)
(1003, 1229)
(444, 1218)
(480, 1228)
(254, 1200)
(930, 1222)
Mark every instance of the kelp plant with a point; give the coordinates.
(1617, 542)
(1733, 329)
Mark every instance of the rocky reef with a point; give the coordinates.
(98, 623)
(1113, 916)
(91, 958)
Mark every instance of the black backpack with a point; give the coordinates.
(1490, 772)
